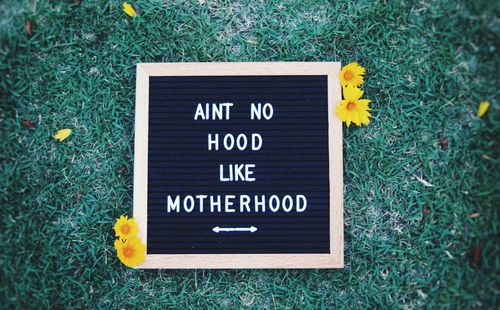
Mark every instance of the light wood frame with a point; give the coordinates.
(335, 259)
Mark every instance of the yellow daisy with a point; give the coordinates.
(352, 74)
(132, 252)
(126, 227)
(352, 108)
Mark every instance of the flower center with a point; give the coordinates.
(348, 75)
(128, 252)
(125, 229)
(351, 105)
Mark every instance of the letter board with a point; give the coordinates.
(239, 165)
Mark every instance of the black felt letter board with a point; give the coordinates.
(292, 160)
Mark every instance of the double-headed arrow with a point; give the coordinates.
(218, 229)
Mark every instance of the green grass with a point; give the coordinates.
(429, 64)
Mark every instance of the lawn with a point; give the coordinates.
(421, 181)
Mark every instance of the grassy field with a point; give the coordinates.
(407, 244)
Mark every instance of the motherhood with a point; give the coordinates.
(236, 203)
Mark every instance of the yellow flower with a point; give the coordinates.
(352, 108)
(62, 134)
(132, 252)
(352, 74)
(129, 10)
(483, 108)
(126, 227)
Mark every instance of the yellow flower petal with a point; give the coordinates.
(352, 93)
(352, 74)
(62, 134)
(355, 118)
(129, 10)
(118, 244)
(483, 108)
(363, 103)
(364, 117)
(341, 112)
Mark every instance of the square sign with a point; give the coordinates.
(239, 165)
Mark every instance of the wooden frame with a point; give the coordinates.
(335, 259)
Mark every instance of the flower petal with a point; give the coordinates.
(352, 93)
(363, 104)
(118, 244)
(483, 108)
(129, 10)
(355, 118)
(62, 134)
(364, 117)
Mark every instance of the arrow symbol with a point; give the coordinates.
(218, 229)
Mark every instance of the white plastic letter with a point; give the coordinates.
(214, 141)
(221, 174)
(255, 111)
(288, 207)
(227, 105)
(268, 111)
(256, 141)
(173, 205)
(249, 172)
(231, 141)
(228, 203)
(216, 111)
(215, 203)
(275, 207)
(191, 202)
(201, 198)
(199, 112)
(245, 202)
(299, 207)
(241, 141)
(260, 203)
